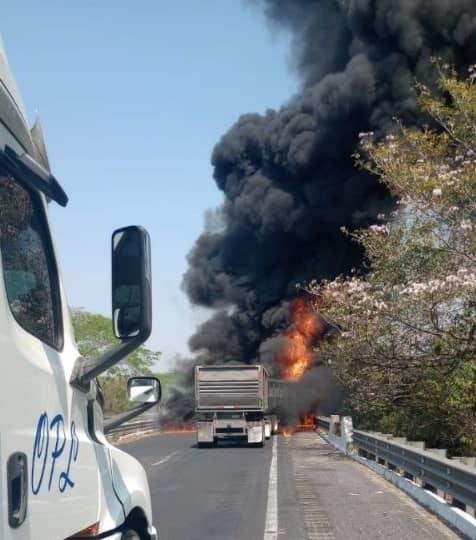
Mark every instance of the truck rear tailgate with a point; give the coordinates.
(237, 387)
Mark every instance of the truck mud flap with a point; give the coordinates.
(256, 435)
(205, 432)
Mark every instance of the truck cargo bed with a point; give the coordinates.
(230, 387)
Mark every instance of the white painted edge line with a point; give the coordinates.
(164, 460)
(454, 517)
(271, 523)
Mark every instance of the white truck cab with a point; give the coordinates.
(59, 477)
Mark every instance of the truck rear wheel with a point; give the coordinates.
(257, 444)
(207, 444)
(129, 534)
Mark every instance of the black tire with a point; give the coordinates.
(207, 444)
(129, 534)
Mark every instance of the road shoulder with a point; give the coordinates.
(338, 498)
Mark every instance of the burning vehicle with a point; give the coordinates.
(240, 402)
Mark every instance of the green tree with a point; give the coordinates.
(406, 348)
(94, 335)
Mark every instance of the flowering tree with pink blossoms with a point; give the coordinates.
(405, 339)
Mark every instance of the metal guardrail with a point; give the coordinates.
(130, 427)
(324, 422)
(454, 479)
(430, 468)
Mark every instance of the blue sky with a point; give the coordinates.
(133, 96)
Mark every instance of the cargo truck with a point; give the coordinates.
(234, 402)
(59, 476)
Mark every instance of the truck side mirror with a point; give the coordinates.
(131, 305)
(131, 283)
(144, 389)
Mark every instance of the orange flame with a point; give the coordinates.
(298, 352)
(177, 428)
(287, 431)
(308, 423)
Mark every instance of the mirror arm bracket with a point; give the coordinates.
(120, 418)
(84, 371)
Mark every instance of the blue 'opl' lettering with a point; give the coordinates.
(57, 423)
(49, 451)
(40, 453)
(65, 479)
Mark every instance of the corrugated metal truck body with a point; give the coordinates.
(230, 402)
(220, 388)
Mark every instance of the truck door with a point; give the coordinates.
(49, 480)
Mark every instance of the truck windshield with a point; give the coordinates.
(29, 270)
(229, 416)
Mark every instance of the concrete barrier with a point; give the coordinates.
(341, 433)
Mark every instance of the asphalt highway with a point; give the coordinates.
(296, 488)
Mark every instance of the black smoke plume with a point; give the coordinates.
(287, 177)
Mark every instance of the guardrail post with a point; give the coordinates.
(334, 430)
(347, 433)
(334, 426)
(341, 432)
(419, 481)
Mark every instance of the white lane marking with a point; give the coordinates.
(164, 460)
(271, 524)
